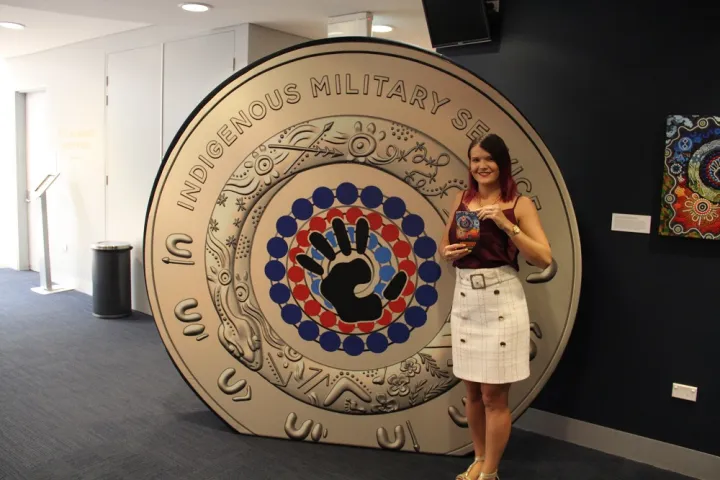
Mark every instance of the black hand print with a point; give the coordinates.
(338, 287)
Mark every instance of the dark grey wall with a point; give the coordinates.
(596, 79)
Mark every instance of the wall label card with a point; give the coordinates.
(622, 222)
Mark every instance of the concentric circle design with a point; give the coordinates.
(396, 243)
(292, 244)
(704, 171)
(710, 171)
(352, 267)
(361, 145)
(685, 144)
(691, 186)
(263, 165)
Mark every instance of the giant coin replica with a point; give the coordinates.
(291, 245)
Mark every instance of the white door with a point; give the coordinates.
(40, 162)
(192, 69)
(134, 151)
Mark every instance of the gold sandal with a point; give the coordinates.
(489, 476)
(466, 474)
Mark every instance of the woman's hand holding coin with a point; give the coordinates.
(455, 251)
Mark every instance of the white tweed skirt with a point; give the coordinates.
(490, 326)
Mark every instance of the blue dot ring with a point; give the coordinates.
(323, 198)
(377, 342)
(394, 209)
(302, 209)
(330, 341)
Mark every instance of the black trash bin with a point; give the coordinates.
(112, 290)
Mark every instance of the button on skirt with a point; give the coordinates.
(490, 326)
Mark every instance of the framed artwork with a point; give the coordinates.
(691, 180)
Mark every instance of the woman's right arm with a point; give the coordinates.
(445, 241)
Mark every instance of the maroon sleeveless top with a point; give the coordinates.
(493, 248)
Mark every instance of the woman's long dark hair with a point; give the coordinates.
(495, 146)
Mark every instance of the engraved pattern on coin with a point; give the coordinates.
(458, 418)
(349, 266)
(535, 329)
(397, 443)
(173, 245)
(181, 313)
(310, 428)
(385, 442)
(237, 387)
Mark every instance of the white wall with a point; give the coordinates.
(8, 179)
(74, 78)
(192, 69)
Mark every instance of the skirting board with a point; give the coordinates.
(626, 445)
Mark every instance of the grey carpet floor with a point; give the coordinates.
(84, 398)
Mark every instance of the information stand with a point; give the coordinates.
(40, 193)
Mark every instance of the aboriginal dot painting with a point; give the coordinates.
(691, 181)
(330, 244)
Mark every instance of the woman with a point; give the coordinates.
(489, 320)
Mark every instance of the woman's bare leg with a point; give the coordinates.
(498, 423)
(475, 413)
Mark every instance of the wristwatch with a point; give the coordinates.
(515, 230)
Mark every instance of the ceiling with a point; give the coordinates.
(54, 23)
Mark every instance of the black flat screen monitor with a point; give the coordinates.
(456, 22)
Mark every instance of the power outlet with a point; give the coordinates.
(684, 392)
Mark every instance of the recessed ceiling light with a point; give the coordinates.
(195, 7)
(12, 25)
(381, 28)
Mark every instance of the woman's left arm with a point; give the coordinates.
(531, 241)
